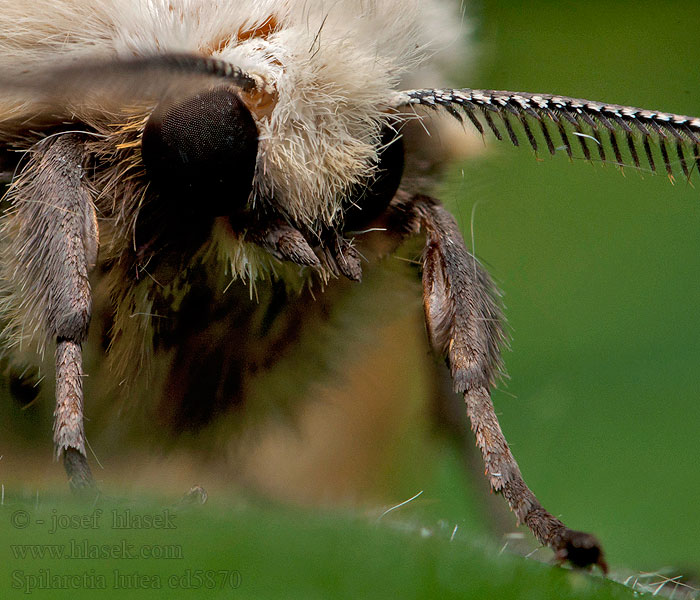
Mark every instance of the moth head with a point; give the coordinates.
(194, 118)
(203, 159)
(184, 142)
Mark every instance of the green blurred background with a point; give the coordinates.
(600, 274)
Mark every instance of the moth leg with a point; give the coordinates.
(340, 257)
(447, 412)
(53, 226)
(284, 242)
(464, 324)
(69, 430)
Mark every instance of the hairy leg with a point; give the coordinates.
(53, 231)
(464, 324)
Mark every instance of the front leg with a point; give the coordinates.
(465, 325)
(53, 238)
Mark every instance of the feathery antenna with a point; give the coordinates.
(590, 122)
(153, 75)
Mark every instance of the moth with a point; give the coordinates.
(206, 162)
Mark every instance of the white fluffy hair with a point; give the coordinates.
(329, 68)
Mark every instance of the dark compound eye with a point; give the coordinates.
(368, 201)
(200, 153)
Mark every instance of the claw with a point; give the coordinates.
(582, 550)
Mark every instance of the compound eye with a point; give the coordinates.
(366, 202)
(201, 152)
